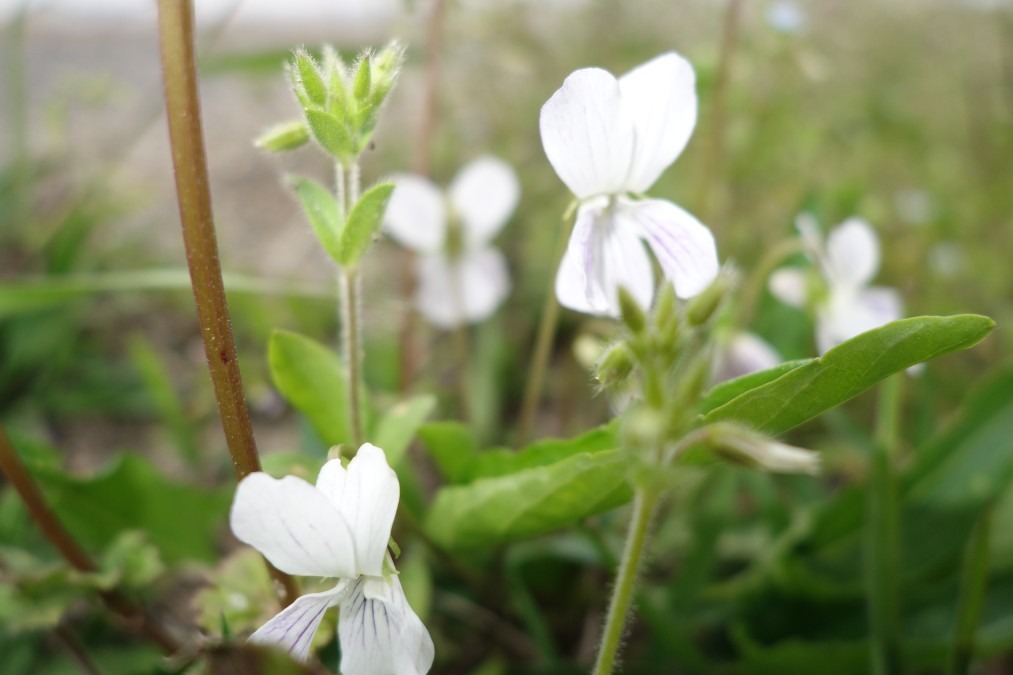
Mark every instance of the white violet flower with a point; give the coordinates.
(609, 140)
(461, 277)
(743, 353)
(848, 305)
(338, 529)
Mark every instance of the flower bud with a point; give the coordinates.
(284, 136)
(747, 447)
(632, 313)
(307, 80)
(363, 79)
(616, 365)
(703, 307)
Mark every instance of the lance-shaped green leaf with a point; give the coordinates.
(363, 222)
(530, 502)
(323, 212)
(849, 369)
(331, 134)
(398, 426)
(311, 377)
(723, 392)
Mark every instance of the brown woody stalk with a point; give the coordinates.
(179, 72)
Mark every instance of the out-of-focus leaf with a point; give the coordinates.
(529, 502)
(973, 460)
(312, 378)
(849, 369)
(130, 494)
(501, 462)
(396, 428)
(452, 447)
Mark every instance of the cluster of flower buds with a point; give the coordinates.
(341, 103)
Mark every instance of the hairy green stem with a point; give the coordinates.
(882, 553)
(189, 158)
(348, 183)
(133, 617)
(644, 504)
(973, 582)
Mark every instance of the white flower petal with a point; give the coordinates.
(366, 496)
(587, 133)
(380, 634)
(484, 195)
(661, 97)
(604, 253)
(293, 525)
(294, 627)
(852, 253)
(848, 314)
(745, 353)
(416, 215)
(789, 285)
(467, 290)
(684, 247)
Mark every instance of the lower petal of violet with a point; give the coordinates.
(379, 632)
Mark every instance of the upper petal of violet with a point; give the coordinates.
(587, 132)
(661, 97)
(366, 495)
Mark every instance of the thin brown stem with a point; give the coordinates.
(716, 125)
(182, 104)
(422, 166)
(135, 618)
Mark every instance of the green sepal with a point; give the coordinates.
(331, 134)
(284, 136)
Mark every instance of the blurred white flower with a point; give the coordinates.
(339, 529)
(846, 305)
(786, 16)
(461, 277)
(609, 140)
(742, 354)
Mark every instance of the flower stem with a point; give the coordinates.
(186, 136)
(973, 581)
(351, 312)
(543, 346)
(421, 166)
(716, 126)
(134, 617)
(882, 554)
(644, 504)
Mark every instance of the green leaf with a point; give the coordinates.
(502, 462)
(311, 377)
(530, 502)
(323, 212)
(181, 521)
(397, 427)
(849, 369)
(723, 392)
(363, 222)
(452, 447)
(331, 134)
